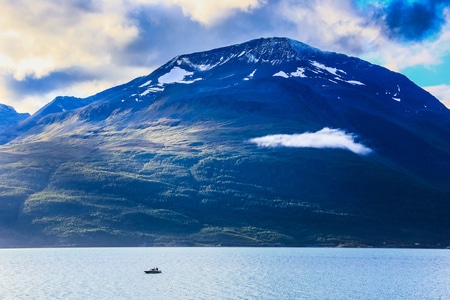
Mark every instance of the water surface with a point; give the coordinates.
(224, 273)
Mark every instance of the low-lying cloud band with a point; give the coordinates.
(324, 138)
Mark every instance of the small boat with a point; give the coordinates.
(153, 271)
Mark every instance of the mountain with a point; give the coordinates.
(269, 142)
(9, 117)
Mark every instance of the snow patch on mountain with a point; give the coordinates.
(250, 76)
(300, 72)
(354, 82)
(319, 69)
(281, 74)
(177, 75)
(251, 58)
(324, 138)
(333, 71)
(199, 67)
(338, 73)
(152, 89)
(396, 95)
(146, 83)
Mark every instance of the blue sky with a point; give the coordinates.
(80, 47)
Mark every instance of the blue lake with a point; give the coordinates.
(224, 273)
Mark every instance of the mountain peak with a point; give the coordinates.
(6, 108)
(274, 51)
(9, 117)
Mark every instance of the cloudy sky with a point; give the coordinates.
(80, 47)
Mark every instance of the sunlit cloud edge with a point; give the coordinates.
(326, 138)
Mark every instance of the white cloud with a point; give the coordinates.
(33, 102)
(441, 92)
(340, 26)
(47, 35)
(325, 138)
(208, 12)
(330, 25)
(398, 56)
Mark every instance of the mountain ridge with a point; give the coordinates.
(9, 118)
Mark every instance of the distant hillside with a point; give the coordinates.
(265, 143)
(9, 117)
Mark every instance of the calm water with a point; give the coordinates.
(224, 273)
